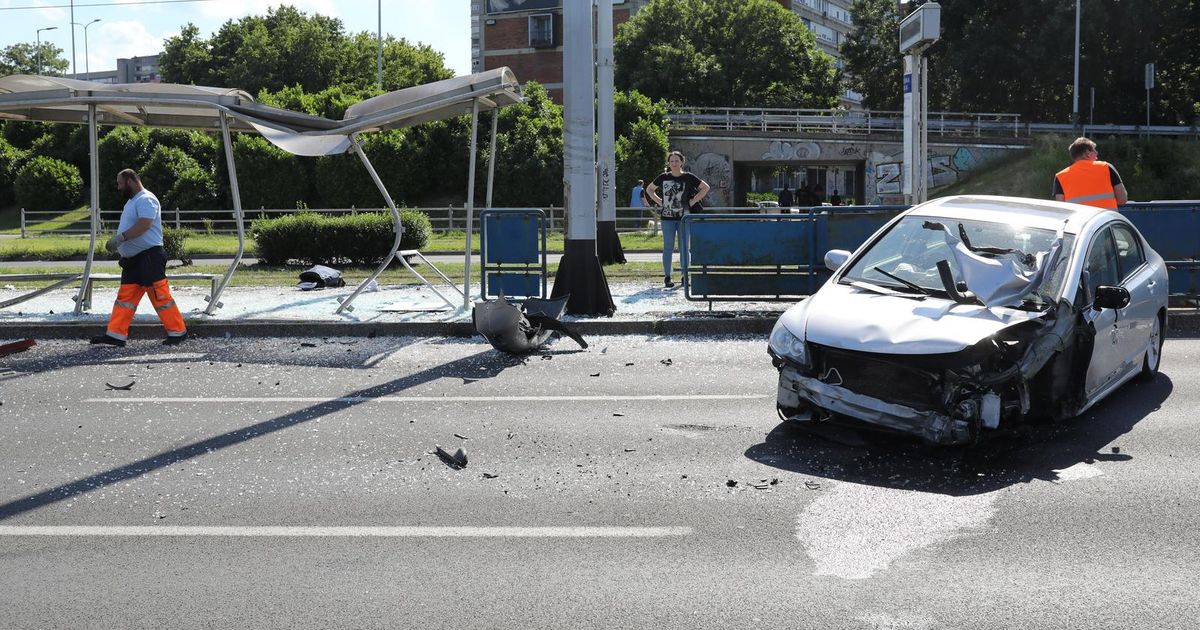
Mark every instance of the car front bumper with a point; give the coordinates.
(795, 390)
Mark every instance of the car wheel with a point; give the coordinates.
(1154, 353)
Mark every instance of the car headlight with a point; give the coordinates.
(785, 345)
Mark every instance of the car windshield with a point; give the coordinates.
(905, 259)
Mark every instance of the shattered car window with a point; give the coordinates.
(905, 259)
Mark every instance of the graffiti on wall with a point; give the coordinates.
(715, 169)
(945, 167)
(797, 150)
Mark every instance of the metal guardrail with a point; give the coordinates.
(865, 122)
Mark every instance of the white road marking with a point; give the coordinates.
(423, 399)
(854, 531)
(341, 532)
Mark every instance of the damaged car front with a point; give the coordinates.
(944, 325)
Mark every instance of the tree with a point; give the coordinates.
(733, 53)
(22, 58)
(873, 62)
(288, 48)
(529, 165)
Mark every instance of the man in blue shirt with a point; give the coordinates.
(635, 199)
(139, 241)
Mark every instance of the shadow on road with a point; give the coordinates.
(1035, 452)
(482, 365)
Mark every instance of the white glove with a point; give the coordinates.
(114, 242)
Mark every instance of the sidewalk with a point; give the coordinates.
(392, 310)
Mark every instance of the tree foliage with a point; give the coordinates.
(44, 183)
(22, 58)
(733, 53)
(1018, 55)
(529, 164)
(289, 48)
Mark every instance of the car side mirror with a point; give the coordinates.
(835, 258)
(1111, 297)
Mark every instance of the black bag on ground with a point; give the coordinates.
(320, 277)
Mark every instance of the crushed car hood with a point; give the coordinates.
(846, 317)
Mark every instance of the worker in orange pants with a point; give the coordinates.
(143, 265)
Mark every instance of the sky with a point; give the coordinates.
(130, 28)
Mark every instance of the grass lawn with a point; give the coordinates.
(75, 247)
(262, 275)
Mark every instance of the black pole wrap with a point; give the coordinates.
(581, 276)
(608, 243)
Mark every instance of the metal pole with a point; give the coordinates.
(606, 158)
(492, 156)
(387, 197)
(1075, 90)
(87, 66)
(470, 204)
(379, 44)
(39, 45)
(214, 301)
(94, 194)
(74, 68)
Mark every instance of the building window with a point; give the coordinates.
(541, 30)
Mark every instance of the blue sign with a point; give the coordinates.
(908, 83)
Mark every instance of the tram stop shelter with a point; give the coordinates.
(61, 100)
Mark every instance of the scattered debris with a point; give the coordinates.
(461, 436)
(630, 364)
(521, 329)
(547, 357)
(666, 361)
(683, 476)
(630, 450)
(489, 476)
(732, 483)
(16, 346)
(618, 414)
(1116, 449)
(456, 461)
(127, 387)
(812, 485)
(596, 374)
(306, 344)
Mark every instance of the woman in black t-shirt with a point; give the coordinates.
(681, 192)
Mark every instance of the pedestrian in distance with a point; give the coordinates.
(785, 197)
(835, 198)
(682, 192)
(1088, 180)
(139, 241)
(636, 197)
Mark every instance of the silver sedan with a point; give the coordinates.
(968, 315)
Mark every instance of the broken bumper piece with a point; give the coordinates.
(931, 426)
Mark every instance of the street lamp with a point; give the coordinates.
(39, 45)
(87, 69)
(1075, 89)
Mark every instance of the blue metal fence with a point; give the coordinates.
(781, 256)
(512, 263)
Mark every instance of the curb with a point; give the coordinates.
(755, 325)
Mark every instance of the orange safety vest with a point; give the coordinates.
(1088, 183)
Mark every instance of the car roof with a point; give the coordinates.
(1036, 213)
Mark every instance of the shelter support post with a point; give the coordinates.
(492, 157)
(214, 301)
(395, 252)
(471, 204)
(83, 298)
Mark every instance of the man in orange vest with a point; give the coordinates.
(139, 241)
(1089, 181)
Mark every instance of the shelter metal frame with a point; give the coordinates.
(54, 99)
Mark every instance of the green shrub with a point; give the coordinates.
(45, 183)
(361, 239)
(173, 243)
(270, 177)
(124, 147)
(11, 158)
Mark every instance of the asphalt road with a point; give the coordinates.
(269, 483)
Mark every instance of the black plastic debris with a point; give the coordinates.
(456, 461)
(732, 483)
(125, 387)
(666, 361)
(522, 329)
(461, 436)
(489, 476)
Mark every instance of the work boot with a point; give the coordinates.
(108, 340)
(667, 282)
(175, 341)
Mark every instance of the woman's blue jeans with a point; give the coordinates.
(669, 228)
